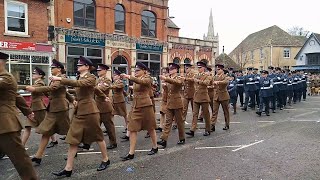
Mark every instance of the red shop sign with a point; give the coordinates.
(18, 45)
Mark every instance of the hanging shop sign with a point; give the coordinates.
(147, 47)
(84, 40)
(18, 45)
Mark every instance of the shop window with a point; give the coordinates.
(152, 61)
(119, 18)
(84, 13)
(16, 17)
(148, 24)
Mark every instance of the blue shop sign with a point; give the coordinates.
(147, 47)
(84, 40)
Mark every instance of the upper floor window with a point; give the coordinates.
(286, 53)
(261, 53)
(148, 24)
(84, 13)
(119, 18)
(16, 17)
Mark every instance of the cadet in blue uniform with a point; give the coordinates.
(279, 83)
(299, 91)
(257, 78)
(295, 86)
(285, 88)
(304, 80)
(265, 92)
(290, 88)
(250, 89)
(275, 88)
(240, 86)
(232, 90)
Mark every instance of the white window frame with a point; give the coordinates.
(6, 18)
(284, 53)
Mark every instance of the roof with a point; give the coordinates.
(227, 61)
(270, 36)
(171, 24)
(317, 37)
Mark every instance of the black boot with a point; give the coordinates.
(206, 133)
(226, 128)
(147, 135)
(159, 129)
(125, 138)
(180, 142)
(52, 144)
(112, 146)
(174, 127)
(190, 133)
(213, 128)
(153, 151)
(63, 173)
(244, 108)
(103, 165)
(84, 146)
(234, 109)
(63, 138)
(127, 157)
(259, 113)
(36, 160)
(163, 143)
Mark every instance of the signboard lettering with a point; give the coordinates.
(18, 45)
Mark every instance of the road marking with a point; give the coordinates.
(304, 114)
(143, 150)
(245, 146)
(6, 157)
(84, 153)
(266, 121)
(305, 120)
(235, 122)
(218, 147)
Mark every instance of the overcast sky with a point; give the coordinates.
(234, 20)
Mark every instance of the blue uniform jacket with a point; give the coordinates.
(232, 89)
(257, 81)
(266, 87)
(290, 85)
(240, 83)
(250, 84)
(276, 82)
(295, 85)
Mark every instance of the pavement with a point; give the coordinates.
(284, 145)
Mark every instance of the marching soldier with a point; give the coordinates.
(10, 142)
(141, 116)
(275, 88)
(163, 108)
(285, 88)
(240, 87)
(295, 87)
(189, 89)
(232, 90)
(250, 89)
(290, 88)
(85, 126)
(174, 105)
(118, 100)
(257, 77)
(304, 80)
(221, 97)
(210, 88)
(57, 117)
(265, 93)
(105, 107)
(282, 88)
(201, 99)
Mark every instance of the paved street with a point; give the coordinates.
(285, 145)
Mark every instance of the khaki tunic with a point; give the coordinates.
(57, 117)
(189, 87)
(141, 116)
(10, 142)
(118, 100)
(85, 126)
(163, 107)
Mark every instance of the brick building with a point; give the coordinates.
(115, 32)
(23, 35)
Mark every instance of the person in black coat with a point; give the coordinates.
(266, 92)
(232, 89)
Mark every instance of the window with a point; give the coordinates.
(286, 53)
(148, 24)
(16, 17)
(261, 53)
(152, 61)
(84, 13)
(119, 18)
(176, 60)
(187, 61)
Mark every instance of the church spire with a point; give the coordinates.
(210, 28)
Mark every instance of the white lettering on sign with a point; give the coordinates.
(4, 44)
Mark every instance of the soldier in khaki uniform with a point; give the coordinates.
(37, 104)
(85, 126)
(141, 116)
(221, 97)
(57, 117)
(174, 105)
(201, 99)
(163, 108)
(105, 107)
(210, 88)
(10, 142)
(189, 89)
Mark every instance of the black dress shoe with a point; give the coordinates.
(147, 135)
(225, 128)
(153, 151)
(36, 160)
(125, 138)
(125, 131)
(66, 158)
(84, 146)
(103, 165)
(63, 173)
(190, 133)
(213, 128)
(159, 129)
(174, 127)
(63, 138)
(52, 144)
(241, 105)
(244, 109)
(200, 119)
(105, 131)
(273, 111)
(267, 114)
(206, 133)
(180, 142)
(163, 143)
(127, 157)
(112, 146)
(259, 113)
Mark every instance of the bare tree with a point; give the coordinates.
(297, 31)
(242, 58)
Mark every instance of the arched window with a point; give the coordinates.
(120, 18)
(148, 24)
(176, 60)
(84, 13)
(187, 61)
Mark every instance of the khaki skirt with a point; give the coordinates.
(53, 123)
(163, 107)
(85, 129)
(38, 118)
(120, 109)
(142, 119)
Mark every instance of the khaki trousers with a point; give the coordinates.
(107, 120)
(173, 114)
(10, 144)
(185, 102)
(206, 115)
(225, 107)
